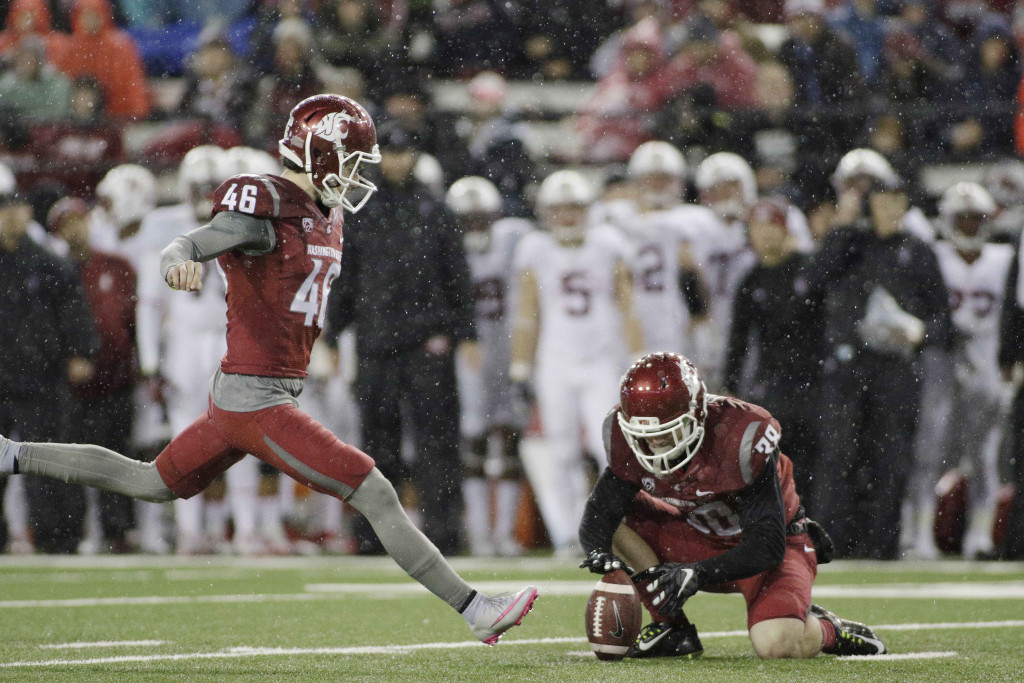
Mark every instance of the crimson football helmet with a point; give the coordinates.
(662, 408)
(328, 137)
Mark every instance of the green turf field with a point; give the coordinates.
(354, 619)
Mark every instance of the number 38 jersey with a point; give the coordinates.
(277, 301)
(739, 438)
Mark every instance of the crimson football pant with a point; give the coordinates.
(780, 593)
(281, 436)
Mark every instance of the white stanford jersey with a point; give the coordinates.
(976, 292)
(487, 393)
(656, 238)
(579, 318)
(724, 257)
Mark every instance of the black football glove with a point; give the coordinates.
(600, 562)
(671, 584)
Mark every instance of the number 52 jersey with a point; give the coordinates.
(739, 438)
(277, 301)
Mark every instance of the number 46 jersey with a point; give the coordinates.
(739, 438)
(277, 301)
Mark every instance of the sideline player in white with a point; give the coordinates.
(182, 346)
(126, 195)
(963, 428)
(727, 187)
(665, 276)
(573, 326)
(492, 423)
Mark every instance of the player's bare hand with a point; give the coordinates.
(187, 276)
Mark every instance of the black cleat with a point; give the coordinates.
(659, 639)
(852, 638)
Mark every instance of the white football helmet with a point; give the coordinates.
(863, 162)
(473, 194)
(966, 209)
(251, 161)
(127, 192)
(726, 184)
(202, 170)
(563, 190)
(1005, 182)
(659, 170)
(477, 203)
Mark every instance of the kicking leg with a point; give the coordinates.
(290, 440)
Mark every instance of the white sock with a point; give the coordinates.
(507, 504)
(216, 520)
(477, 604)
(188, 514)
(478, 511)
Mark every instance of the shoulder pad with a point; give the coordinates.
(254, 195)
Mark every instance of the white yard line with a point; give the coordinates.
(1005, 590)
(103, 643)
(896, 657)
(240, 652)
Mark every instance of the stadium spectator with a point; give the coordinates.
(556, 43)
(489, 144)
(406, 289)
(32, 90)
(48, 343)
(618, 116)
(101, 411)
(78, 150)
(716, 58)
(290, 80)
(860, 23)
(30, 18)
(940, 49)
(98, 48)
(353, 33)
(473, 35)
(269, 14)
(982, 123)
(608, 54)
(824, 70)
(218, 86)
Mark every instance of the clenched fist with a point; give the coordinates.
(187, 276)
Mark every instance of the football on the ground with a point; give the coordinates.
(613, 616)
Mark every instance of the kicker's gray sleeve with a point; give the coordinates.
(228, 230)
(408, 547)
(94, 466)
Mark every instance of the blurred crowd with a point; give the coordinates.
(747, 187)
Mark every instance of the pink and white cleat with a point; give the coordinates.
(496, 615)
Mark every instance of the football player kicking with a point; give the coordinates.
(280, 253)
(698, 497)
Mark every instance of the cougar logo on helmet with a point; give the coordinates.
(334, 126)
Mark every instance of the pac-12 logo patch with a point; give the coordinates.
(307, 225)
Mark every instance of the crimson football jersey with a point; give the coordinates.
(277, 301)
(739, 438)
